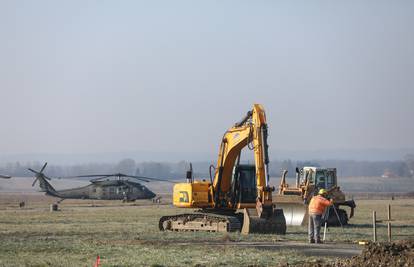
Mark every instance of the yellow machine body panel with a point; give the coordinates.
(191, 195)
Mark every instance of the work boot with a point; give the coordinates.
(319, 242)
(311, 241)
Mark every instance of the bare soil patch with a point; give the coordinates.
(397, 254)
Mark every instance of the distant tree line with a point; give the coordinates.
(167, 170)
(162, 170)
(348, 168)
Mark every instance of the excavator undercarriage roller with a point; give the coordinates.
(200, 222)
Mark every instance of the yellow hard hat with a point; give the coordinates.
(322, 191)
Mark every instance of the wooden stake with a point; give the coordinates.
(389, 223)
(374, 225)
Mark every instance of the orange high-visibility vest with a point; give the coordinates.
(318, 204)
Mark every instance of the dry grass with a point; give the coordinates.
(127, 235)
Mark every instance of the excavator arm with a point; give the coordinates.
(251, 130)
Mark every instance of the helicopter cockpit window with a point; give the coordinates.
(184, 196)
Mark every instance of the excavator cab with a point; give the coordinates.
(244, 184)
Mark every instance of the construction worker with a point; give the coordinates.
(317, 207)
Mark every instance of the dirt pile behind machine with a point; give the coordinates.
(294, 199)
(238, 197)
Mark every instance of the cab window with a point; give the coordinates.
(310, 175)
(184, 196)
(330, 180)
(320, 179)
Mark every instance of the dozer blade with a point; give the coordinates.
(252, 223)
(295, 211)
(295, 214)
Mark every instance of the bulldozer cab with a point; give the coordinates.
(319, 177)
(244, 183)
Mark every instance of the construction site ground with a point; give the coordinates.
(126, 234)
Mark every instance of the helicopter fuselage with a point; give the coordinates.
(105, 190)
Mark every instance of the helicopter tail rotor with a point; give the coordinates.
(39, 174)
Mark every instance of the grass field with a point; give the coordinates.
(127, 235)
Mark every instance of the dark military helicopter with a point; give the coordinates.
(101, 187)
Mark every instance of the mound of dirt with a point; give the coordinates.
(384, 254)
(398, 254)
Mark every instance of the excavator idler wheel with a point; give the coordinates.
(166, 225)
(252, 223)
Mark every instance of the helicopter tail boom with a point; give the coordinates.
(43, 183)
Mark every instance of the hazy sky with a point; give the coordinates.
(108, 76)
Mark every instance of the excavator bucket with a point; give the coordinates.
(274, 224)
(295, 211)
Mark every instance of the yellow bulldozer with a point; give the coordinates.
(239, 196)
(294, 199)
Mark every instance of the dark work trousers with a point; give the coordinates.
(314, 229)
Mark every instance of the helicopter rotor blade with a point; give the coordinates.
(43, 168)
(85, 176)
(149, 178)
(99, 178)
(141, 179)
(33, 171)
(39, 174)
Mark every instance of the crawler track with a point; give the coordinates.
(200, 222)
(247, 222)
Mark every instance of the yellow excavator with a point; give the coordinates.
(233, 188)
(294, 199)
